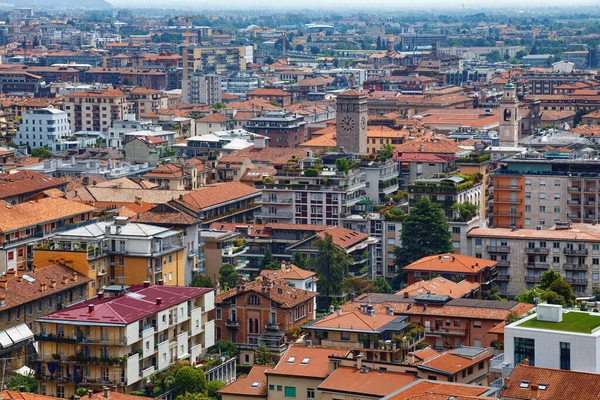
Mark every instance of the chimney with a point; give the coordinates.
(100, 294)
(52, 283)
(146, 284)
(90, 308)
(2, 300)
(506, 382)
(158, 301)
(339, 311)
(3, 283)
(406, 295)
(11, 272)
(138, 200)
(22, 389)
(160, 282)
(65, 279)
(19, 278)
(535, 392)
(359, 361)
(74, 277)
(389, 309)
(525, 361)
(106, 391)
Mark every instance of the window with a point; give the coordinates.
(542, 182)
(253, 300)
(121, 261)
(279, 388)
(524, 348)
(456, 230)
(556, 196)
(456, 322)
(595, 261)
(527, 208)
(556, 260)
(565, 355)
(218, 314)
(477, 324)
(527, 182)
(542, 208)
(542, 196)
(290, 392)
(557, 210)
(345, 336)
(556, 245)
(271, 387)
(310, 394)
(11, 255)
(527, 195)
(480, 365)
(527, 221)
(557, 182)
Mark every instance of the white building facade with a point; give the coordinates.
(44, 127)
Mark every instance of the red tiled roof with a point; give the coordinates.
(456, 263)
(23, 182)
(217, 193)
(244, 386)
(316, 365)
(372, 383)
(343, 237)
(126, 309)
(280, 292)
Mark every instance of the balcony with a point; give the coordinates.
(533, 279)
(575, 252)
(277, 215)
(508, 201)
(577, 281)
(272, 326)
(503, 263)
(267, 200)
(507, 213)
(575, 267)
(590, 189)
(537, 265)
(508, 187)
(498, 249)
(437, 331)
(573, 189)
(503, 277)
(235, 324)
(147, 372)
(232, 251)
(573, 202)
(537, 250)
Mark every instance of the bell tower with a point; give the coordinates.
(352, 118)
(509, 116)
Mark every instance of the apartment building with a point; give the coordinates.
(23, 186)
(448, 323)
(119, 252)
(259, 312)
(283, 128)
(189, 175)
(532, 190)
(223, 247)
(303, 192)
(95, 110)
(213, 60)
(202, 89)
(24, 297)
(278, 96)
(146, 101)
(554, 338)
(20, 83)
(523, 255)
(43, 127)
(144, 330)
(24, 224)
(544, 84)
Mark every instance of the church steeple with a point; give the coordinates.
(509, 116)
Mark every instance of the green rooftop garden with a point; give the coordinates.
(577, 322)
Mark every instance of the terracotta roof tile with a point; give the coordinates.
(343, 237)
(372, 383)
(317, 365)
(456, 263)
(244, 386)
(212, 195)
(451, 363)
(23, 182)
(287, 271)
(445, 390)
(440, 286)
(286, 296)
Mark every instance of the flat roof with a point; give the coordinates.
(572, 321)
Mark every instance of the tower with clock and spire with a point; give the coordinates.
(509, 116)
(352, 118)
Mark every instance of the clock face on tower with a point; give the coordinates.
(363, 123)
(347, 123)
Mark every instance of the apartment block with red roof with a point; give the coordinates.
(260, 312)
(95, 110)
(121, 341)
(278, 96)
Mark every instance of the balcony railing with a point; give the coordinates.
(575, 267)
(498, 249)
(537, 250)
(575, 252)
(508, 187)
(537, 265)
(508, 201)
(268, 200)
(533, 279)
(503, 277)
(575, 281)
(503, 263)
(232, 323)
(445, 331)
(504, 213)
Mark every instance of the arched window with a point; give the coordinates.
(253, 300)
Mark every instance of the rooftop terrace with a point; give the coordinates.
(572, 321)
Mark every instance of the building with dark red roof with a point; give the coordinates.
(123, 339)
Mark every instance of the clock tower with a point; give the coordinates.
(352, 118)
(509, 116)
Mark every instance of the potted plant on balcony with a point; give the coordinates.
(56, 356)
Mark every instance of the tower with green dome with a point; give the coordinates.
(509, 116)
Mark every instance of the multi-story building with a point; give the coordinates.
(258, 312)
(147, 78)
(533, 190)
(146, 101)
(22, 225)
(43, 127)
(210, 60)
(381, 179)
(552, 338)
(23, 186)
(305, 192)
(523, 255)
(540, 83)
(121, 341)
(278, 96)
(223, 247)
(20, 83)
(202, 88)
(283, 128)
(579, 58)
(119, 252)
(26, 297)
(95, 111)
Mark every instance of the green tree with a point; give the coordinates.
(218, 106)
(299, 47)
(314, 50)
(200, 280)
(14, 382)
(192, 396)
(213, 389)
(270, 262)
(298, 260)
(342, 165)
(381, 285)
(262, 355)
(41, 152)
(563, 289)
(520, 54)
(425, 232)
(225, 347)
(532, 296)
(229, 276)
(493, 56)
(464, 212)
(387, 151)
(331, 264)
(548, 278)
(189, 380)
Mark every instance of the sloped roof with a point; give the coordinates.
(456, 263)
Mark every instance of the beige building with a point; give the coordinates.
(523, 255)
(213, 60)
(95, 110)
(223, 247)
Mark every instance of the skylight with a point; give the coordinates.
(291, 360)
(305, 361)
(524, 384)
(255, 384)
(543, 386)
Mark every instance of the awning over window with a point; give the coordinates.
(15, 335)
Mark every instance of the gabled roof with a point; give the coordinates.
(371, 383)
(451, 362)
(559, 384)
(434, 390)
(215, 194)
(358, 321)
(287, 272)
(306, 362)
(455, 263)
(255, 384)
(343, 237)
(22, 182)
(213, 118)
(279, 292)
(440, 286)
